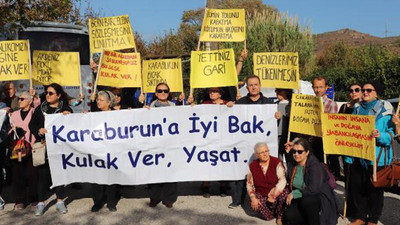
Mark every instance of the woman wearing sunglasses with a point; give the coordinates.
(355, 95)
(167, 193)
(24, 188)
(54, 103)
(368, 200)
(311, 200)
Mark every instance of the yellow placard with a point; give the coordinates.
(213, 69)
(162, 71)
(14, 60)
(56, 67)
(305, 115)
(120, 69)
(223, 25)
(277, 69)
(110, 33)
(350, 135)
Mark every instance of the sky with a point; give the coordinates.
(152, 18)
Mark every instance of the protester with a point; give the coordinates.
(355, 95)
(254, 96)
(11, 98)
(368, 200)
(118, 97)
(215, 95)
(54, 103)
(311, 199)
(105, 102)
(167, 193)
(266, 184)
(19, 120)
(283, 115)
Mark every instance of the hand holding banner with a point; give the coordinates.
(213, 69)
(350, 135)
(15, 60)
(56, 67)
(221, 25)
(119, 69)
(277, 69)
(110, 33)
(305, 115)
(162, 71)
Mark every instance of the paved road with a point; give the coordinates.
(190, 209)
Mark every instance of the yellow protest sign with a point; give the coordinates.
(222, 25)
(56, 67)
(110, 33)
(346, 134)
(212, 69)
(162, 71)
(15, 60)
(120, 69)
(305, 115)
(277, 69)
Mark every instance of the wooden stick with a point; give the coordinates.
(346, 191)
(325, 161)
(245, 45)
(375, 166)
(30, 66)
(98, 74)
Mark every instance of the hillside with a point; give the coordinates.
(354, 38)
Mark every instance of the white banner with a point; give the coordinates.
(169, 144)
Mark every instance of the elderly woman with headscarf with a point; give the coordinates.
(266, 184)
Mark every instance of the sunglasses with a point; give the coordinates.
(299, 152)
(355, 90)
(22, 99)
(368, 90)
(162, 91)
(49, 93)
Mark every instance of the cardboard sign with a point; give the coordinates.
(213, 69)
(305, 115)
(110, 33)
(222, 25)
(120, 69)
(15, 60)
(350, 135)
(56, 67)
(162, 71)
(277, 69)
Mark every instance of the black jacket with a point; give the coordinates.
(262, 100)
(316, 182)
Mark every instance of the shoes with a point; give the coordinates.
(233, 205)
(206, 192)
(40, 209)
(96, 208)
(169, 204)
(222, 191)
(153, 203)
(60, 206)
(2, 203)
(357, 222)
(112, 208)
(19, 206)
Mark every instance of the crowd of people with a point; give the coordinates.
(295, 187)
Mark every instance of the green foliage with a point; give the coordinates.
(269, 31)
(344, 65)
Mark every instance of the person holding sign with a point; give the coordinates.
(105, 102)
(311, 199)
(355, 97)
(55, 103)
(11, 99)
(368, 200)
(167, 193)
(284, 97)
(266, 184)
